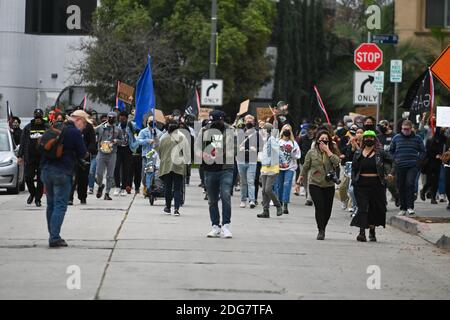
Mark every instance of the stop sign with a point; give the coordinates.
(368, 57)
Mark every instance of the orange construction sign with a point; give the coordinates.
(441, 67)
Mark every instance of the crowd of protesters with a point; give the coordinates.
(358, 159)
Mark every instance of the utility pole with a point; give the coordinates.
(213, 53)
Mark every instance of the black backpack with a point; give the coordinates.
(51, 143)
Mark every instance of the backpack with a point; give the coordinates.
(51, 143)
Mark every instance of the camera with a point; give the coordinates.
(332, 176)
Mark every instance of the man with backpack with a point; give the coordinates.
(57, 165)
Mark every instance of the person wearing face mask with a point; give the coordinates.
(370, 167)
(57, 175)
(320, 162)
(306, 142)
(289, 153)
(16, 131)
(408, 151)
(122, 172)
(109, 137)
(148, 138)
(369, 124)
(215, 148)
(248, 140)
(30, 155)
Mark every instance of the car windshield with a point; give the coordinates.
(4, 141)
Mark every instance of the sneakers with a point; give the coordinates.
(237, 188)
(441, 198)
(308, 203)
(271, 203)
(243, 204)
(321, 235)
(411, 212)
(70, 203)
(433, 201)
(123, 193)
(167, 210)
(91, 191)
(402, 213)
(58, 243)
(38, 203)
(226, 232)
(252, 204)
(214, 233)
(116, 192)
(100, 191)
(83, 201)
(279, 211)
(176, 213)
(107, 197)
(302, 191)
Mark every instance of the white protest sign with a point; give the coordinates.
(443, 117)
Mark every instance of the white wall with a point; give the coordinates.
(28, 61)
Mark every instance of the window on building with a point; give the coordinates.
(71, 17)
(437, 13)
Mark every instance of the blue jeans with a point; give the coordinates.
(247, 172)
(351, 192)
(58, 186)
(406, 182)
(92, 170)
(219, 184)
(283, 185)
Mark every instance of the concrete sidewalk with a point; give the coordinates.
(127, 249)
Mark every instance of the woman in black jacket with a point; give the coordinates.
(369, 168)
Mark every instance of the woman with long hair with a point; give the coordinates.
(289, 153)
(322, 161)
(370, 166)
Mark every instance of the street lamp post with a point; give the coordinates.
(213, 53)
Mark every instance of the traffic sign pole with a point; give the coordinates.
(395, 106)
(378, 107)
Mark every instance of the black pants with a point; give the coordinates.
(257, 176)
(201, 171)
(122, 176)
(136, 170)
(80, 183)
(323, 203)
(173, 185)
(432, 179)
(32, 170)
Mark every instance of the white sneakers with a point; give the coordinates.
(410, 212)
(123, 193)
(252, 204)
(116, 192)
(216, 232)
(243, 204)
(226, 232)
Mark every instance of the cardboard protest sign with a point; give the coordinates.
(263, 113)
(204, 113)
(244, 107)
(125, 93)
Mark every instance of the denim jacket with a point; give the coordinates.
(145, 135)
(270, 154)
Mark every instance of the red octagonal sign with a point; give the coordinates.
(368, 57)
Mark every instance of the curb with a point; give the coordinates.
(420, 229)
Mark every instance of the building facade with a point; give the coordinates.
(415, 19)
(37, 41)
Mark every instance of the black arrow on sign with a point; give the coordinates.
(371, 79)
(213, 86)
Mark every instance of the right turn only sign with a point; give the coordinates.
(364, 92)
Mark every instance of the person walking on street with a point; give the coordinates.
(306, 142)
(16, 132)
(122, 172)
(247, 159)
(370, 166)
(215, 146)
(320, 166)
(270, 169)
(407, 150)
(81, 180)
(289, 153)
(57, 175)
(109, 137)
(30, 155)
(174, 152)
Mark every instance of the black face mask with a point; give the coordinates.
(286, 133)
(111, 121)
(383, 129)
(370, 127)
(249, 125)
(218, 125)
(369, 143)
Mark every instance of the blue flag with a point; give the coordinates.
(121, 105)
(145, 96)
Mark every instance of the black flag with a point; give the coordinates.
(420, 96)
(193, 107)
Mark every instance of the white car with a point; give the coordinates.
(11, 173)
